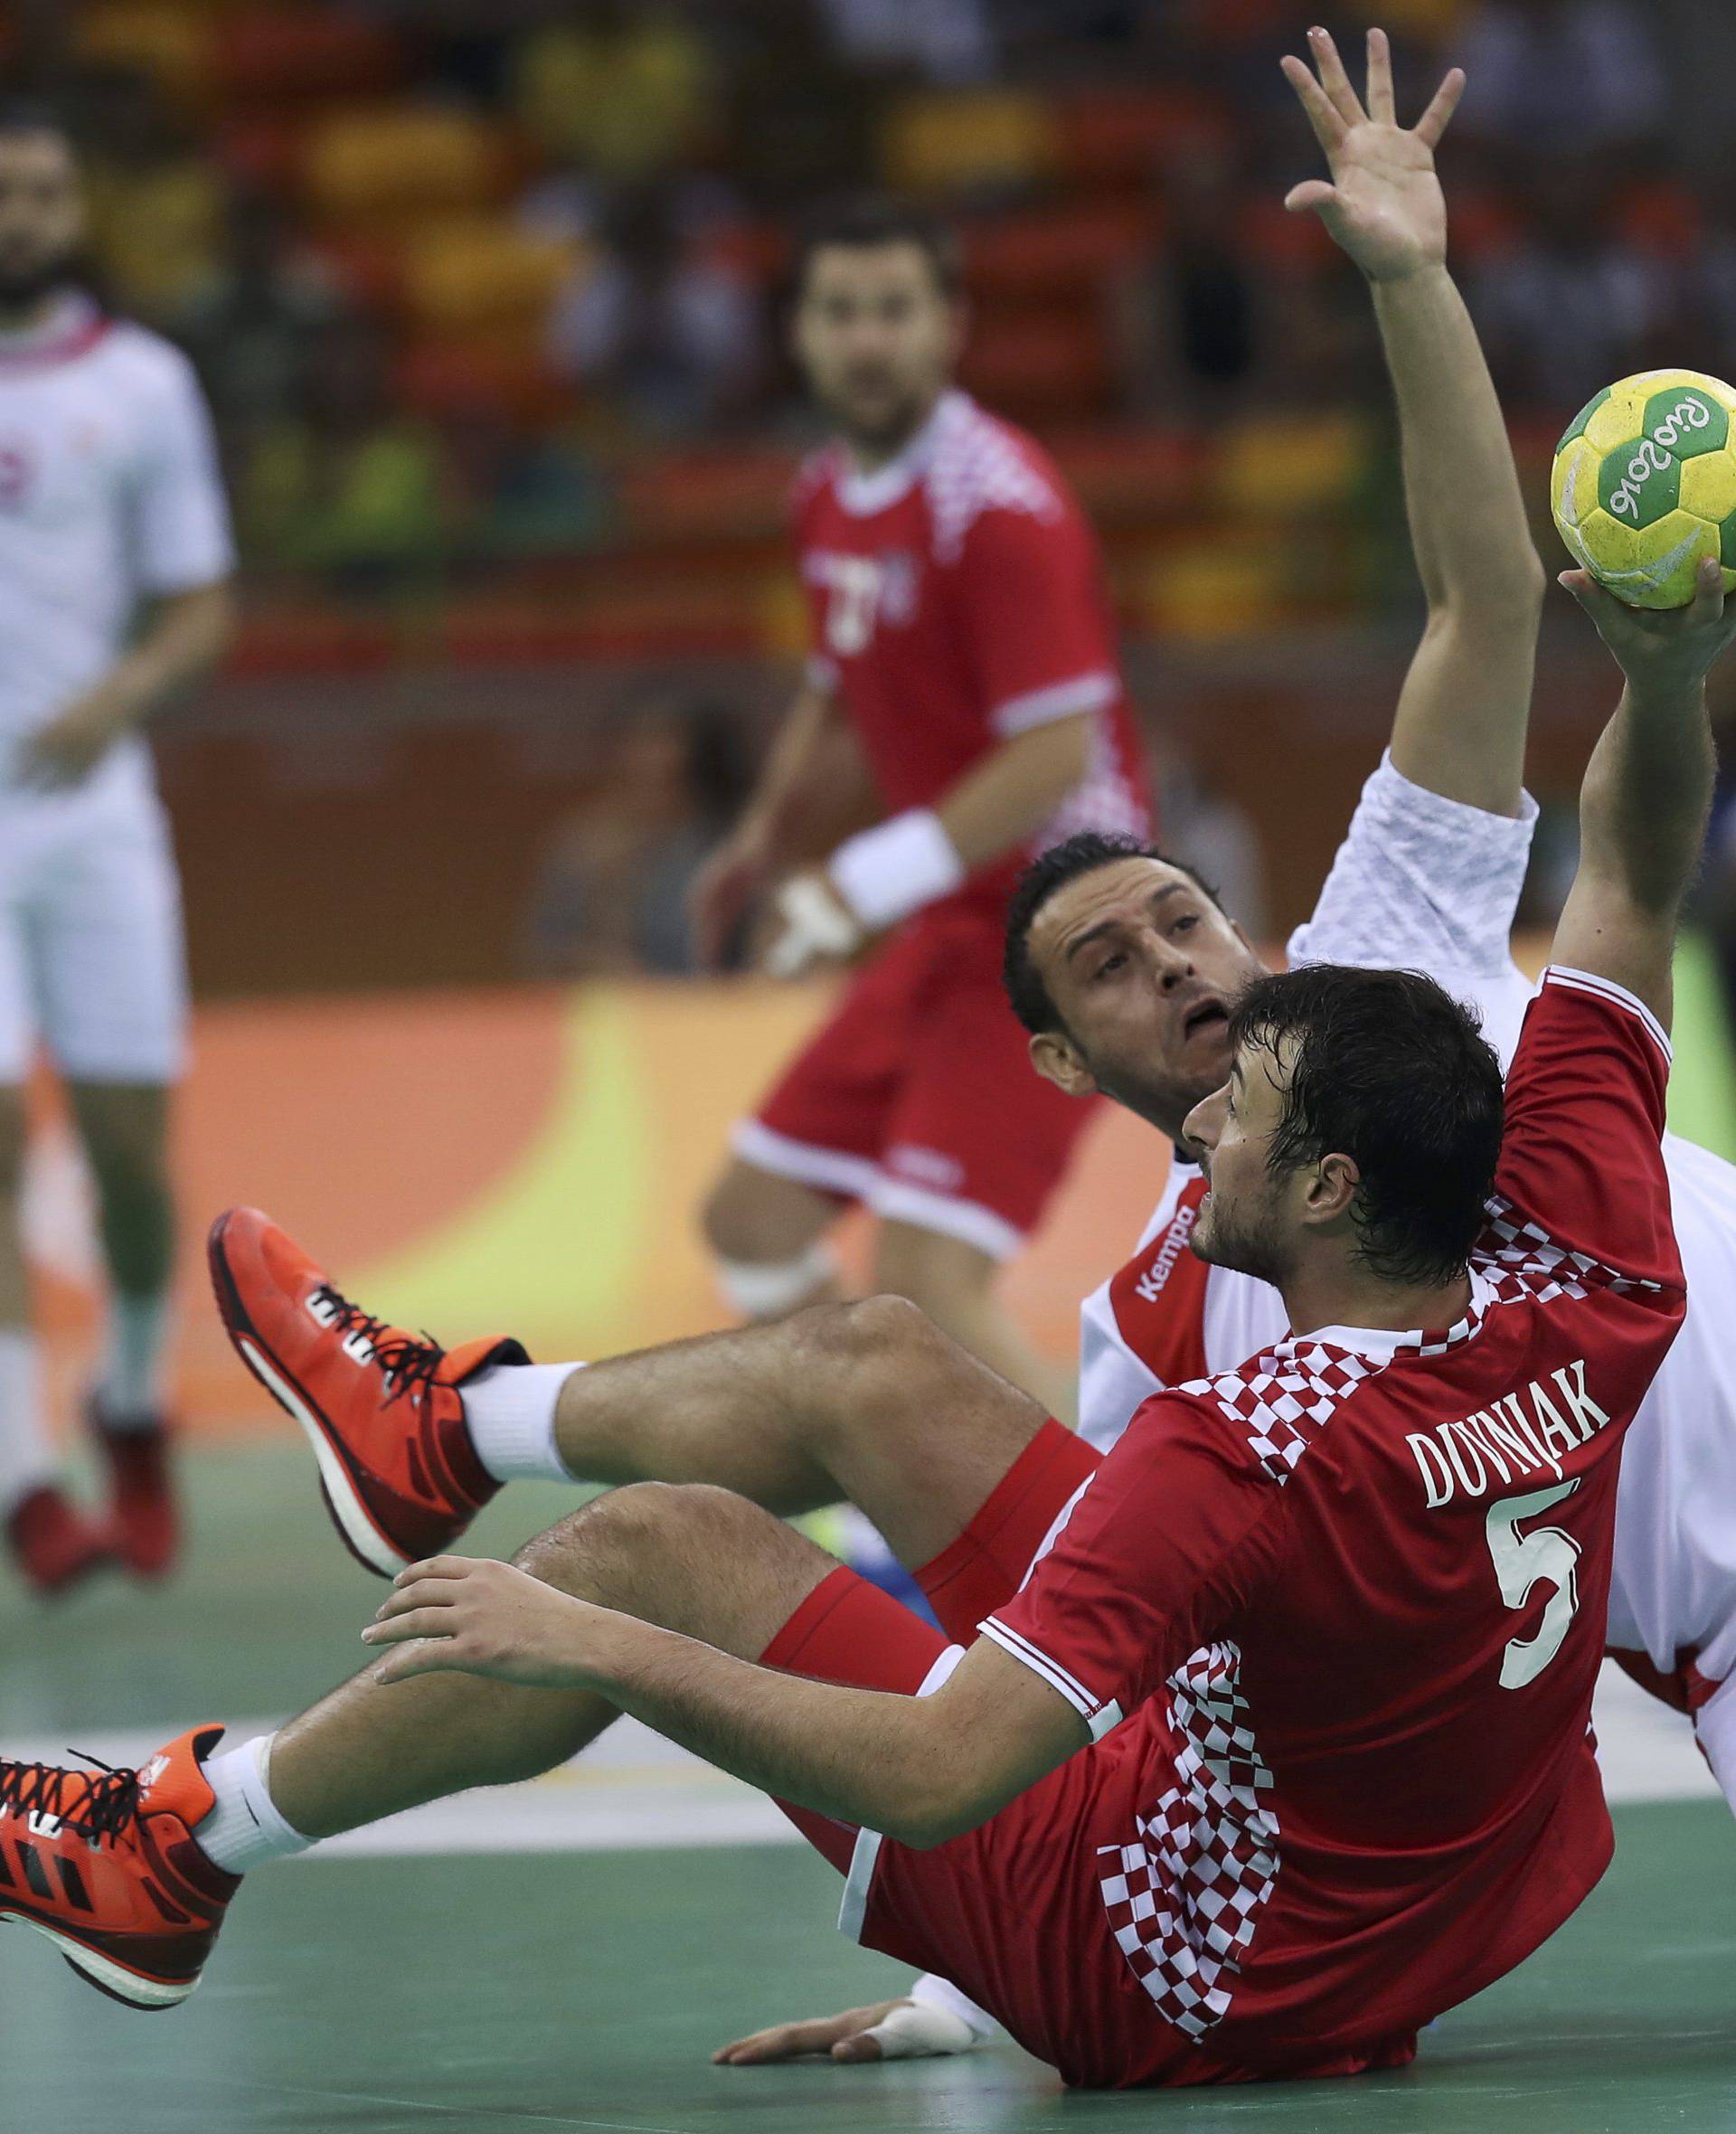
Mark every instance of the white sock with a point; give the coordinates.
(510, 1414)
(244, 1829)
(26, 1457)
(129, 1386)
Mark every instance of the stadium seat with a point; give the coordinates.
(1289, 465)
(271, 57)
(1217, 584)
(438, 377)
(174, 45)
(402, 164)
(1046, 368)
(482, 276)
(948, 145)
(1115, 139)
(1050, 252)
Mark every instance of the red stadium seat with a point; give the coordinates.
(438, 377)
(1052, 252)
(1117, 138)
(274, 56)
(1050, 367)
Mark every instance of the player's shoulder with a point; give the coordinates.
(980, 465)
(135, 355)
(1272, 1410)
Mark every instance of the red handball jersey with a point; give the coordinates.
(956, 599)
(1353, 1596)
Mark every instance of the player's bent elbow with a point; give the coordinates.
(1505, 597)
(941, 1807)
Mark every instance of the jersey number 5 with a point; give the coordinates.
(1522, 1561)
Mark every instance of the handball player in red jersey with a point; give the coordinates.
(960, 633)
(1264, 1739)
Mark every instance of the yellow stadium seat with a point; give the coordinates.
(483, 275)
(941, 143)
(172, 44)
(402, 164)
(1287, 466)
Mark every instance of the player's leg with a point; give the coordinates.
(52, 1541)
(850, 1402)
(976, 1146)
(1715, 1724)
(812, 1147)
(694, 1560)
(767, 1237)
(956, 1286)
(114, 1011)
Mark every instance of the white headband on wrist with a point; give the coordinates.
(885, 874)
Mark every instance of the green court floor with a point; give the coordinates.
(586, 1989)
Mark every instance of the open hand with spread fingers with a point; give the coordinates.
(1383, 203)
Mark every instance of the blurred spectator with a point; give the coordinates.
(350, 487)
(1569, 306)
(249, 323)
(515, 492)
(623, 89)
(1211, 833)
(942, 40)
(659, 317)
(155, 204)
(611, 893)
(1573, 76)
(1190, 319)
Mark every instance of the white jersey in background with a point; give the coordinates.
(109, 496)
(1426, 884)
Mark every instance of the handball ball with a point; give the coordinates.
(1644, 485)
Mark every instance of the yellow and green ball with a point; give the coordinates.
(1643, 485)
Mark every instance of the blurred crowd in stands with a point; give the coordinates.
(479, 283)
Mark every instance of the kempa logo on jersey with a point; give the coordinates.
(1523, 1433)
(1149, 1286)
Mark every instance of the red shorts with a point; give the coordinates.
(918, 1098)
(1012, 1912)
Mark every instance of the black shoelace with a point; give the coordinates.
(405, 1360)
(107, 1806)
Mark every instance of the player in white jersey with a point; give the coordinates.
(114, 561)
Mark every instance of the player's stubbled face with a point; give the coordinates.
(1242, 1220)
(42, 217)
(877, 338)
(1142, 968)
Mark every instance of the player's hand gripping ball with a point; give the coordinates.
(1644, 485)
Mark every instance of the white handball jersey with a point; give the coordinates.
(1426, 884)
(108, 495)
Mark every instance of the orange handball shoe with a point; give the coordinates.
(104, 1865)
(379, 1406)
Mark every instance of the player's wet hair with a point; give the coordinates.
(865, 222)
(1391, 1071)
(1082, 854)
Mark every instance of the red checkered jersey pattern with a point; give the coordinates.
(1352, 1597)
(956, 599)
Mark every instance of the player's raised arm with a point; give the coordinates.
(1648, 789)
(1460, 725)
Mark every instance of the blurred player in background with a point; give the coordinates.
(961, 631)
(110, 499)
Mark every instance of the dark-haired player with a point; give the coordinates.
(960, 632)
(114, 555)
